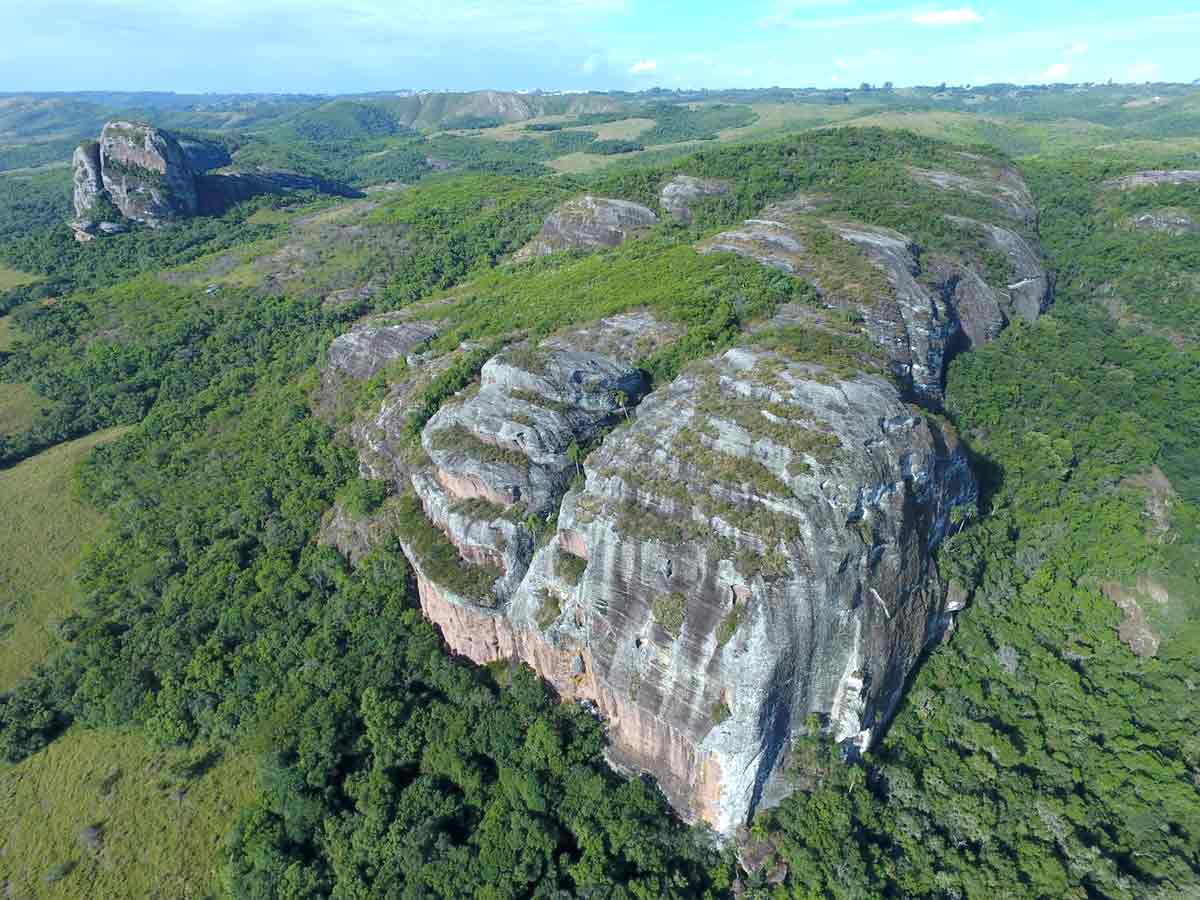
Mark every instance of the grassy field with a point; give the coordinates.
(624, 130)
(20, 407)
(44, 535)
(102, 814)
(11, 278)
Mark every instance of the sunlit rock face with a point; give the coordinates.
(751, 547)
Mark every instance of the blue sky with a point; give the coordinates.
(366, 45)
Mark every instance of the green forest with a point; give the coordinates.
(1034, 753)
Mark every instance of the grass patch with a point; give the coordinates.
(20, 408)
(549, 609)
(438, 558)
(460, 439)
(11, 278)
(569, 567)
(720, 712)
(669, 613)
(729, 625)
(105, 814)
(45, 533)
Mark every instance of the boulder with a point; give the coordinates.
(588, 223)
(679, 194)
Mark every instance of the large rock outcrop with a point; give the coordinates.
(147, 174)
(588, 223)
(681, 193)
(743, 548)
(142, 174)
(752, 548)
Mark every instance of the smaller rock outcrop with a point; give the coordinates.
(1002, 184)
(919, 307)
(588, 223)
(679, 194)
(373, 345)
(1173, 222)
(1154, 178)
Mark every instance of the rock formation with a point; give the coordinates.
(679, 194)
(918, 307)
(588, 223)
(1153, 178)
(752, 548)
(743, 548)
(139, 173)
(1174, 222)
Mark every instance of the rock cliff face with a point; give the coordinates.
(1174, 222)
(146, 173)
(588, 223)
(752, 548)
(712, 563)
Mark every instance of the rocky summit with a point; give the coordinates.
(713, 561)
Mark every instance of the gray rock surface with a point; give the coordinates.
(923, 308)
(1153, 178)
(588, 223)
(679, 194)
(1029, 290)
(89, 185)
(911, 321)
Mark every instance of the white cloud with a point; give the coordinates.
(963, 16)
(591, 64)
(1143, 71)
(1079, 48)
(841, 64)
(1056, 72)
(644, 67)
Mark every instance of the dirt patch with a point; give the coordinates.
(1133, 602)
